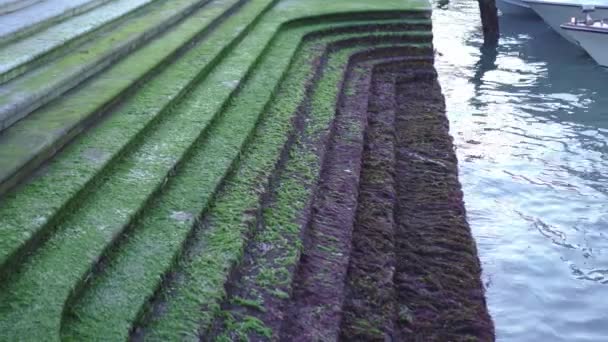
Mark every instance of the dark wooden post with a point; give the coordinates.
(489, 21)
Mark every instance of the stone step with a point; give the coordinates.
(134, 182)
(171, 125)
(213, 251)
(26, 53)
(38, 15)
(194, 187)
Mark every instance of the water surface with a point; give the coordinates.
(530, 122)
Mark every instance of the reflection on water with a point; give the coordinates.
(530, 121)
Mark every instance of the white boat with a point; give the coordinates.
(557, 12)
(591, 36)
(514, 7)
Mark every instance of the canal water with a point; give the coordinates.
(530, 122)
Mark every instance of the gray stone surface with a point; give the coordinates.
(14, 57)
(40, 14)
(8, 6)
(28, 92)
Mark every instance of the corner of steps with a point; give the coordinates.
(196, 269)
(171, 129)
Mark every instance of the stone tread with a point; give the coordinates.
(41, 14)
(8, 6)
(19, 56)
(179, 200)
(70, 252)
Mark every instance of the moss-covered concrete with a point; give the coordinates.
(222, 239)
(134, 230)
(117, 278)
(60, 258)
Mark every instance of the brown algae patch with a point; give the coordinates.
(440, 296)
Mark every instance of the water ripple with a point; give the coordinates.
(530, 122)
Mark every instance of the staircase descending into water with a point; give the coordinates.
(142, 140)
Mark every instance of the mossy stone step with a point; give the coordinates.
(269, 284)
(218, 245)
(261, 286)
(187, 195)
(32, 90)
(48, 198)
(30, 212)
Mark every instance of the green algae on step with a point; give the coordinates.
(132, 291)
(169, 219)
(21, 55)
(38, 206)
(42, 190)
(279, 238)
(276, 245)
(192, 302)
(32, 90)
(219, 248)
(30, 146)
(282, 217)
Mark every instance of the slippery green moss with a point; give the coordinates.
(250, 303)
(66, 257)
(221, 242)
(54, 194)
(188, 193)
(240, 329)
(45, 128)
(282, 219)
(280, 233)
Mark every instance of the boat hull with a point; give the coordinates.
(514, 7)
(595, 42)
(555, 14)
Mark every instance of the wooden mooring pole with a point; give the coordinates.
(489, 21)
